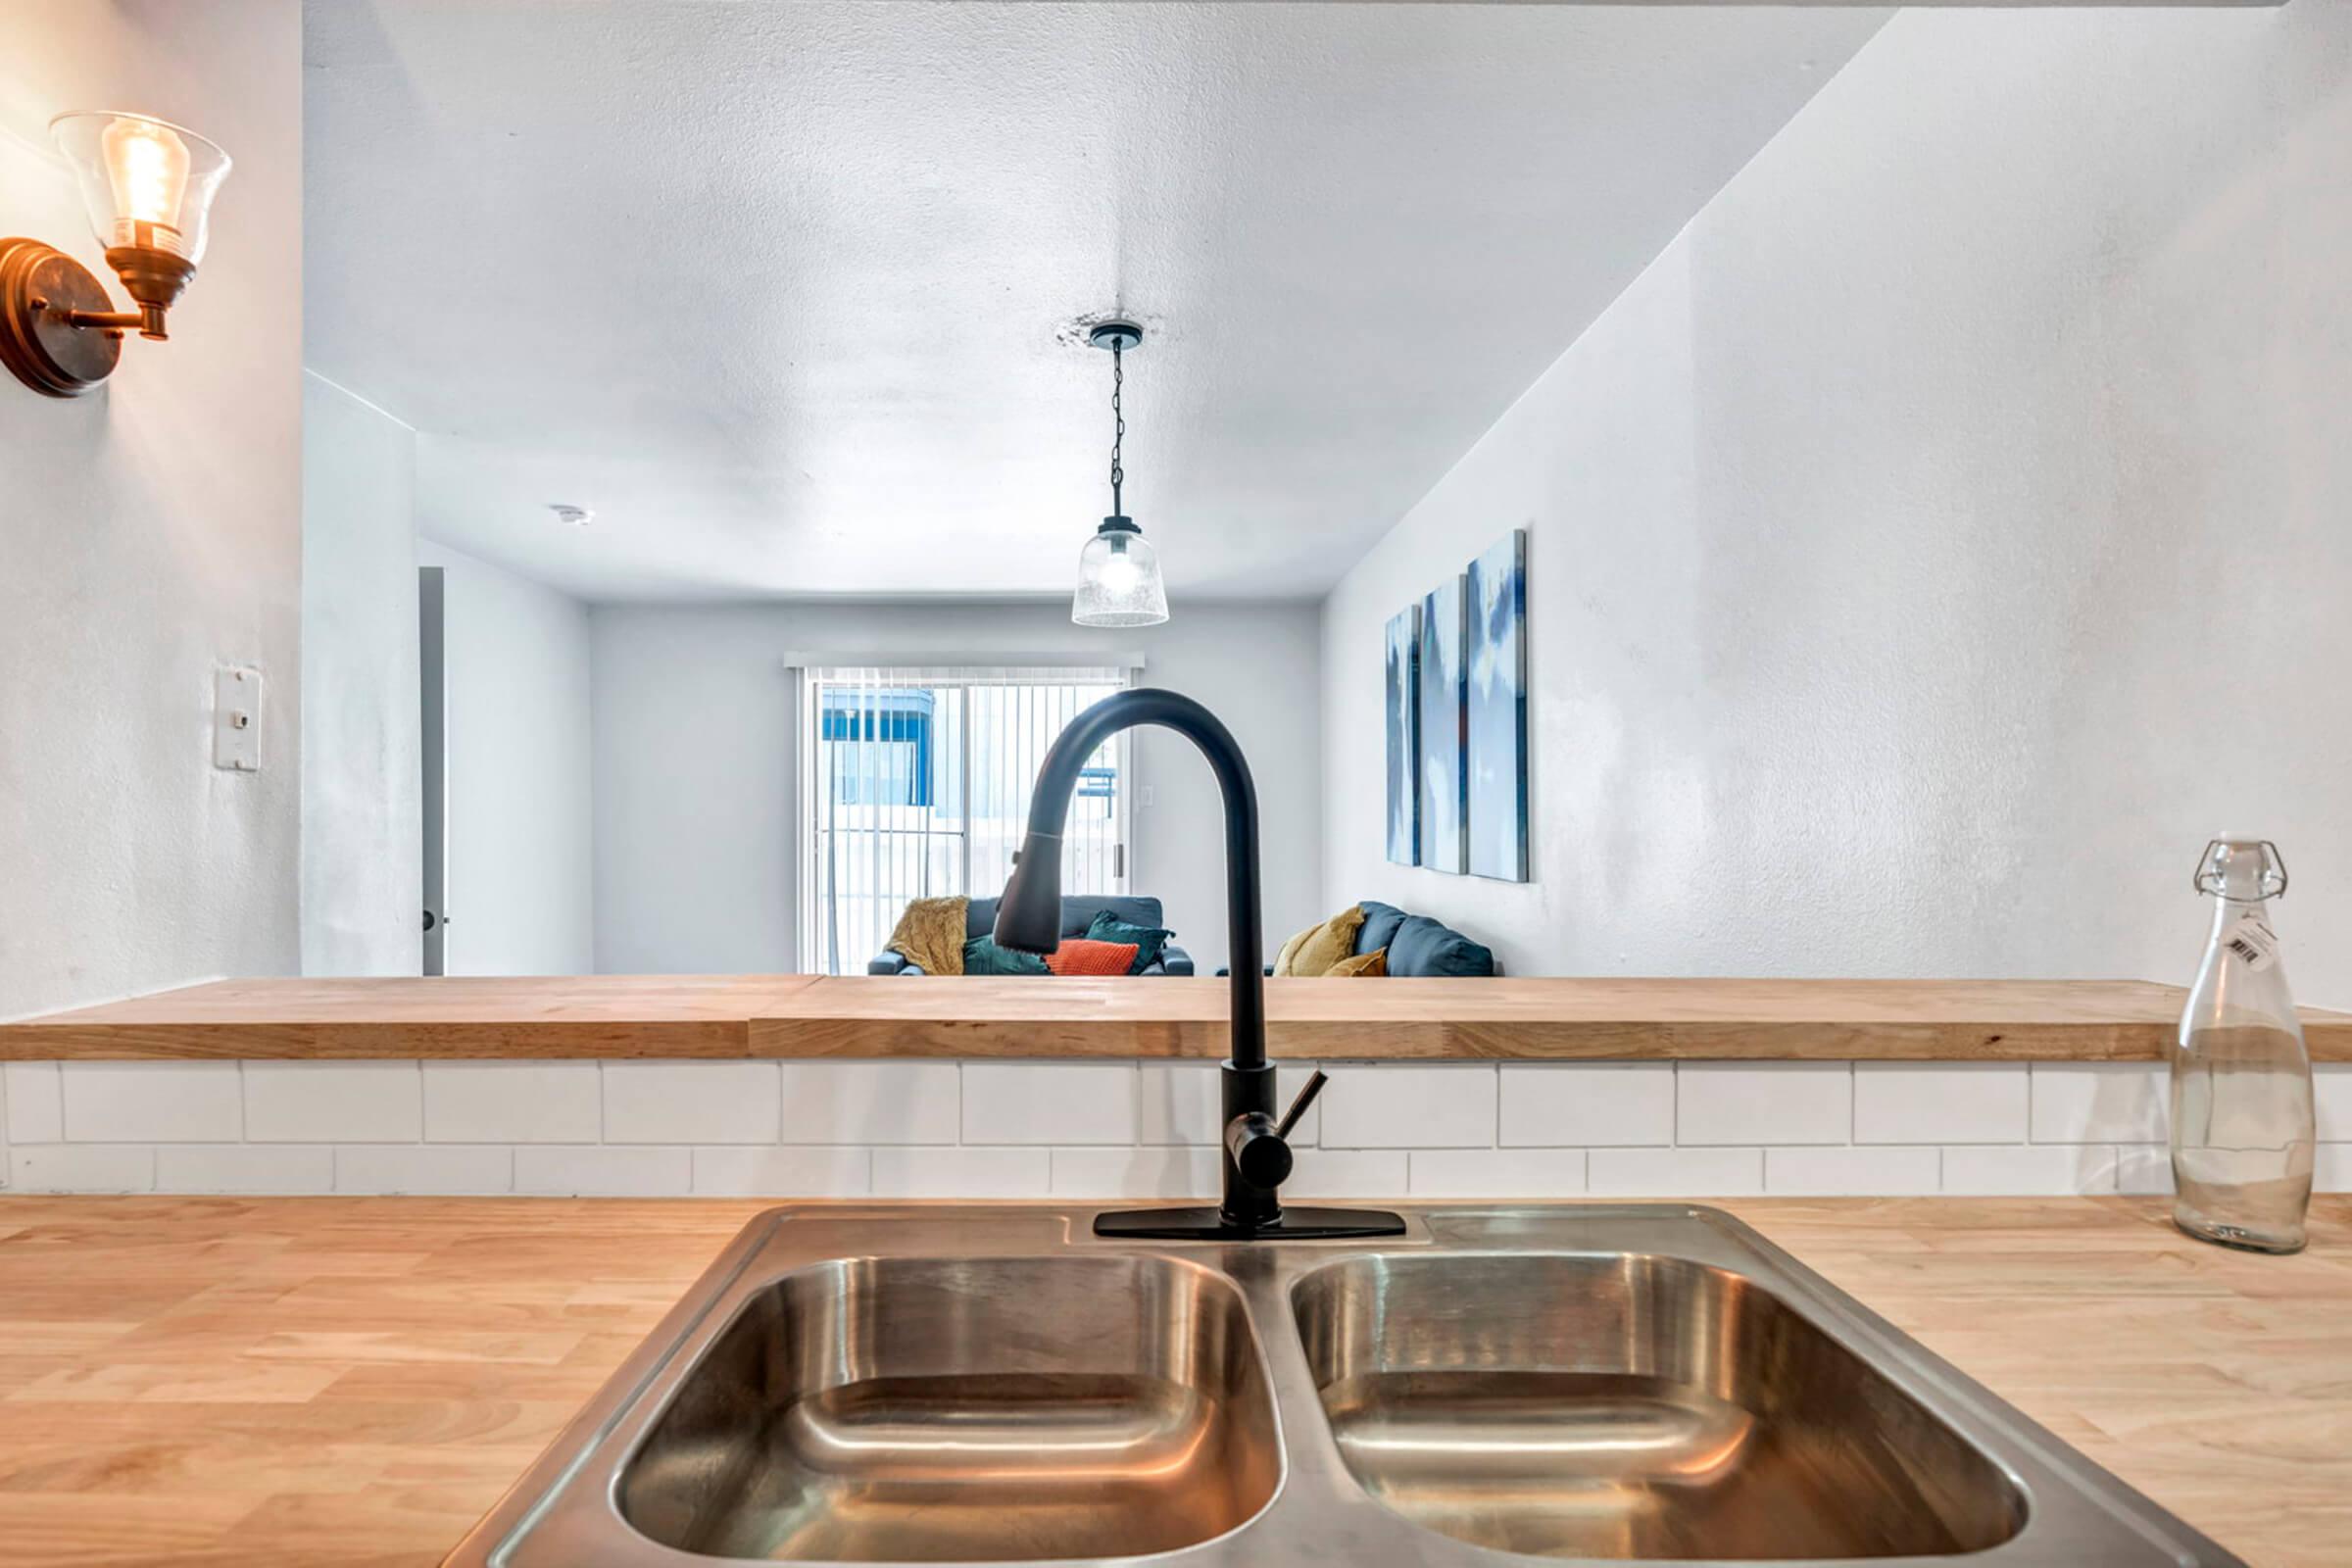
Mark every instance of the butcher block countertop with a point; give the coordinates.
(333, 1381)
(876, 1017)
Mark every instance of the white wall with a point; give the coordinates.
(1943, 536)
(363, 866)
(696, 853)
(152, 531)
(516, 660)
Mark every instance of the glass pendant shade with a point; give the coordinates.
(1118, 579)
(147, 184)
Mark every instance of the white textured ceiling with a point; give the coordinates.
(774, 287)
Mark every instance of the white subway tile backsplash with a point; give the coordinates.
(2143, 1168)
(920, 1172)
(513, 1103)
(603, 1171)
(691, 1103)
(1178, 1102)
(1675, 1173)
(37, 1105)
(872, 1102)
(1885, 1170)
(425, 1169)
(1049, 1103)
(1763, 1102)
(81, 1168)
(792, 1171)
(2095, 1102)
(333, 1103)
(1940, 1103)
(1139, 1172)
(2026, 1169)
(2331, 1169)
(153, 1102)
(1588, 1105)
(1089, 1130)
(244, 1169)
(1496, 1172)
(1348, 1173)
(2330, 1088)
(1390, 1106)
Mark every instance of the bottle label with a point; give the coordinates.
(2253, 942)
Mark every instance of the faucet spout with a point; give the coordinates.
(1029, 916)
(1258, 1155)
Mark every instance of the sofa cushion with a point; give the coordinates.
(1381, 921)
(1078, 911)
(1149, 939)
(1077, 956)
(1423, 947)
(1313, 951)
(982, 955)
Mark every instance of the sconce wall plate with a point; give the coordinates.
(39, 285)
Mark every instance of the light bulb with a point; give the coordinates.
(147, 165)
(1119, 574)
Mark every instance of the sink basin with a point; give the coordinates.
(1503, 1383)
(965, 1410)
(1629, 1406)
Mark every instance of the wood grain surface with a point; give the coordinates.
(883, 1017)
(353, 1382)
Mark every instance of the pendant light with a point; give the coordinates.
(1118, 571)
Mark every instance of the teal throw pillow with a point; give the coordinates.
(1148, 940)
(982, 955)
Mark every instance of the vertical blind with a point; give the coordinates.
(915, 781)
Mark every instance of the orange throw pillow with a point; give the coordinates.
(1081, 957)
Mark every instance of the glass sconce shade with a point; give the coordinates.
(1118, 579)
(147, 185)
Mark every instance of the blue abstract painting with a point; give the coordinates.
(1498, 710)
(1444, 716)
(1404, 735)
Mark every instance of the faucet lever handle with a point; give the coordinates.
(1306, 1096)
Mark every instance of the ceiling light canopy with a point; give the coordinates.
(1118, 570)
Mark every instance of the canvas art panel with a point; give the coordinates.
(1444, 682)
(1404, 735)
(1497, 724)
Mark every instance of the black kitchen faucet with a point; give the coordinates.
(1257, 1149)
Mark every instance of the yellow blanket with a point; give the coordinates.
(930, 934)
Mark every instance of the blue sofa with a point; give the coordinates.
(1078, 911)
(1419, 946)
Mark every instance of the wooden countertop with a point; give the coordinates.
(354, 1381)
(868, 1016)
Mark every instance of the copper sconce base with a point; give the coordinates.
(40, 287)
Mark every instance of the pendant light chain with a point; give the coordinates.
(1118, 431)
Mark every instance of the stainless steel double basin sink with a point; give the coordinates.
(927, 1384)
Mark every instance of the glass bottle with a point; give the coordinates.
(2242, 1129)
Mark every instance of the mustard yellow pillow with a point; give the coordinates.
(1316, 949)
(1365, 966)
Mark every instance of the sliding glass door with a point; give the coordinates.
(915, 782)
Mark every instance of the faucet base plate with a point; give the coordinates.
(1210, 1225)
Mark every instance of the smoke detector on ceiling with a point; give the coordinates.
(577, 516)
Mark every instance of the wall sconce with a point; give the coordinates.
(148, 187)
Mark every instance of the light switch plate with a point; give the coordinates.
(238, 719)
